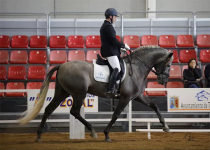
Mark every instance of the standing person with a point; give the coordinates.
(207, 74)
(110, 47)
(192, 75)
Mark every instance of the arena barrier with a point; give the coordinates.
(173, 120)
(78, 129)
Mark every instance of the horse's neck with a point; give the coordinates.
(148, 60)
(149, 57)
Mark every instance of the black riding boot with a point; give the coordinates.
(112, 81)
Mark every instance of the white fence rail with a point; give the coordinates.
(129, 118)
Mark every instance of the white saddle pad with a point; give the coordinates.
(102, 73)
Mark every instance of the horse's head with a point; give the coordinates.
(162, 67)
(154, 56)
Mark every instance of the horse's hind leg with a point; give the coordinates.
(59, 96)
(75, 111)
(146, 101)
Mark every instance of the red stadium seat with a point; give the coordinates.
(4, 57)
(91, 54)
(118, 37)
(58, 57)
(52, 85)
(186, 55)
(38, 57)
(3, 73)
(36, 72)
(155, 93)
(175, 72)
(58, 41)
(16, 86)
(4, 41)
(151, 75)
(76, 55)
(167, 41)
(19, 41)
(38, 41)
(18, 57)
(93, 41)
(185, 41)
(54, 74)
(34, 85)
(76, 41)
(203, 40)
(175, 55)
(132, 40)
(175, 85)
(2, 87)
(149, 40)
(205, 56)
(16, 73)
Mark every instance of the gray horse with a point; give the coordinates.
(76, 79)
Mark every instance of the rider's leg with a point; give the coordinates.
(114, 63)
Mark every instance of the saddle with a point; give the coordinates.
(102, 69)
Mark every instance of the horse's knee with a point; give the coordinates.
(75, 113)
(152, 104)
(47, 111)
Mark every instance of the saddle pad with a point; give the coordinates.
(102, 72)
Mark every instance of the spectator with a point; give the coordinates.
(192, 75)
(207, 74)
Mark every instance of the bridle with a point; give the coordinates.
(150, 68)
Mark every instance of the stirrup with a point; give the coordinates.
(112, 91)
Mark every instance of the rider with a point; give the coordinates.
(110, 47)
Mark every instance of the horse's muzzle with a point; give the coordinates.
(162, 79)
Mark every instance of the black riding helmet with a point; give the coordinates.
(110, 12)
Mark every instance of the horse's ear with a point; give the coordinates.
(169, 58)
(170, 54)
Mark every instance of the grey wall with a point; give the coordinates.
(33, 6)
(183, 5)
(48, 6)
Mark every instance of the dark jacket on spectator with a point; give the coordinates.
(207, 74)
(191, 75)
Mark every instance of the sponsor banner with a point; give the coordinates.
(188, 100)
(90, 102)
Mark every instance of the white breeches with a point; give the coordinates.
(114, 63)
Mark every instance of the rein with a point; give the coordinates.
(131, 69)
(130, 62)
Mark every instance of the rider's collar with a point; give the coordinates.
(108, 21)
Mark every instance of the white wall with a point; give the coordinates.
(183, 5)
(48, 6)
(33, 6)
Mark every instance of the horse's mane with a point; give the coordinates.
(148, 47)
(145, 48)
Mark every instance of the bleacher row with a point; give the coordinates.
(61, 56)
(8, 56)
(93, 41)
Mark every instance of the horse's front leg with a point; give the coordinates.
(121, 105)
(146, 101)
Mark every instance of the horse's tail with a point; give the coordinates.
(43, 92)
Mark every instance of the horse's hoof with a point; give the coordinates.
(166, 129)
(38, 140)
(94, 135)
(108, 140)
